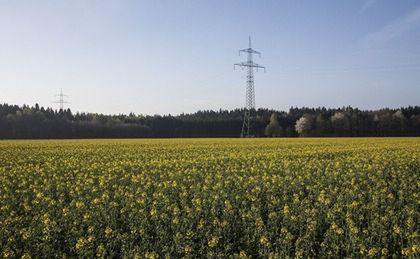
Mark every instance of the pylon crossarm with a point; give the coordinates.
(252, 51)
(242, 65)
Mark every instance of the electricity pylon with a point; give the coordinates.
(61, 99)
(250, 93)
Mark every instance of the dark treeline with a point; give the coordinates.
(24, 122)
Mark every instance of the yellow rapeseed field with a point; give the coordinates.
(235, 198)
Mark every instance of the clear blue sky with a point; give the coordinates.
(160, 57)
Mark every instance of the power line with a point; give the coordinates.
(250, 93)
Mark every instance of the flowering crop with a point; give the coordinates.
(210, 198)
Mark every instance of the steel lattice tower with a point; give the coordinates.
(61, 100)
(250, 93)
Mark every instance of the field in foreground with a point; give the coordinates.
(210, 197)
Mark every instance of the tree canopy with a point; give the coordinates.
(24, 122)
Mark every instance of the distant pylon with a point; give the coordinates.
(61, 99)
(250, 93)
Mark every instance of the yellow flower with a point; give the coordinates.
(188, 249)
(100, 251)
(8, 253)
(153, 212)
(80, 244)
(46, 219)
(25, 233)
(108, 231)
(213, 242)
(80, 204)
(86, 216)
(405, 251)
(242, 254)
(337, 229)
(39, 195)
(151, 255)
(286, 209)
(372, 252)
(264, 241)
(397, 230)
(91, 229)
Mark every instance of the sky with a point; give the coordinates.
(177, 56)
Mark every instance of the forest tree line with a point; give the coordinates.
(34, 122)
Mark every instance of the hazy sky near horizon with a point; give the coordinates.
(160, 57)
